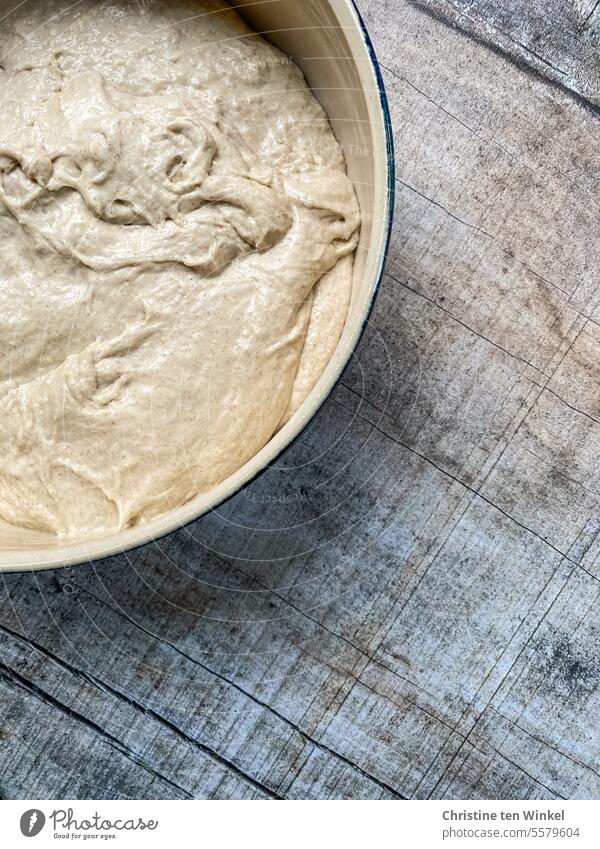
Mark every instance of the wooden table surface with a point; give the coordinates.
(408, 603)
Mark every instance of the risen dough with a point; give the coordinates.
(177, 229)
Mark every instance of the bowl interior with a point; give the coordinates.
(325, 38)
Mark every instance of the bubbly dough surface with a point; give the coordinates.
(177, 235)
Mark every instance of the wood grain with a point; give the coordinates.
(406, 604)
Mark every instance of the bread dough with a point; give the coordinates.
(177, 235)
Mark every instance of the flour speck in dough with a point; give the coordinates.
(177, 235)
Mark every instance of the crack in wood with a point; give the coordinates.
(513, 59)
(480, 496)
(108, 689)
(14, 678)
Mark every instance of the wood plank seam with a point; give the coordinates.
(239, 688)
(106, 688)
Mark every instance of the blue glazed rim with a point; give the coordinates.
(389, 215)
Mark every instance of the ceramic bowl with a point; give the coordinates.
(329, 41)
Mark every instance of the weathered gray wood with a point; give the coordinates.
(406, 604)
